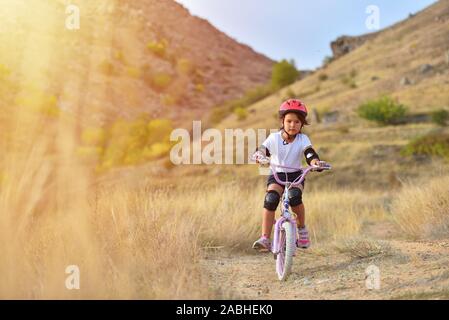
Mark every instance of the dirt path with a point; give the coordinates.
(408, 269)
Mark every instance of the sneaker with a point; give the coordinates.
(303, 238)
(263, 244)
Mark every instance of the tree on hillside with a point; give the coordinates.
(284, 73)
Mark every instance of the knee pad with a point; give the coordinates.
(295, 196)
(272, 199)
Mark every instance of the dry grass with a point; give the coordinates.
(140, 242)
(360, 248)
(127, 244)
(146, 241)
(422, 210)
(334, 215)
(143, 240)
(230, 214)
(442, 294)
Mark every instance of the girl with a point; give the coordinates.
(286, 148)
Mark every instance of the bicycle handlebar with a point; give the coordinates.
(298, 180)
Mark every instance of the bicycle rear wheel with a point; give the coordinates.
(287, 246)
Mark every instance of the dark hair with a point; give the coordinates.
(300, 115)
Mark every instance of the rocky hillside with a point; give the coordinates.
(345, 44)
(408, 61)
(127, 58)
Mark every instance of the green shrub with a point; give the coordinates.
(283, 74)
(159, 130)
(160, 81)
(156, 150)
(434, 144)
(133, 72)
(158, 48)
(323, 77)
(241, 113)
(327, 60)
(184, 66)
(440, 117)
(199, 87)
(349, 81)
(127, 142)
(384, 111)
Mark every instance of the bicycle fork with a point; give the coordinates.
(285, 216)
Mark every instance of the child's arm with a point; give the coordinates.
(311, 156)
(313, 159)
(264, 150)
(261, 153)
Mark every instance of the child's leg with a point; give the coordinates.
(267, 222)
(268, 215)
(300, 215)
(303, 240)
(295, 195)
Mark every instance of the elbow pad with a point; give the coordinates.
(310, 154)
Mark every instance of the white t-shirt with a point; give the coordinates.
(289, 155)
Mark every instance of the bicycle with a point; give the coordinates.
(285, 237)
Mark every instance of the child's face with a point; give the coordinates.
(292, 124)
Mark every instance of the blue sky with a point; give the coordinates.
(298, 29)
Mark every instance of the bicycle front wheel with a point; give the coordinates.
(287, 246)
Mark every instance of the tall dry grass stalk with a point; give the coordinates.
(225, 214)
(422, 210)
(333, 215)
(230, 214)
(137, 240)
(126, 244)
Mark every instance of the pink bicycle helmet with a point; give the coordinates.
(292, 105)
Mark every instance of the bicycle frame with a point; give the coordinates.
(286, 215)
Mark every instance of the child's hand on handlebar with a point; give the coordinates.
(265, 162)
(260, 158)
(322, 165)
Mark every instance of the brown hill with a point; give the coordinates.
(127, 58)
